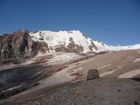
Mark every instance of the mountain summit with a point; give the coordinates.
(67, 41)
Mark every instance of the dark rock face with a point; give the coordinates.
(72, 47)
(18, 46)
(92, 74)
(92, 46)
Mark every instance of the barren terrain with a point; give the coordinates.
(45, 73)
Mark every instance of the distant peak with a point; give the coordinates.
(68, 31)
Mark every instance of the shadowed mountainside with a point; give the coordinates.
(16, 47)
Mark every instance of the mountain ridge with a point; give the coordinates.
(88, 44)
(21, 45)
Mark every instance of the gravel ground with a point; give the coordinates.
(94, 92)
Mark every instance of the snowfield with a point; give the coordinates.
(60, 58)
(130, 74)
(62, 38)
(118, 48)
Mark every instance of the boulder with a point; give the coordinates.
(92, 74)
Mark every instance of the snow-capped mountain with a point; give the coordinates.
(74, 40)
(20, 45)
(67, 40)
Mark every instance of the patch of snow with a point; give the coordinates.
(14, 88)
(34, 59)
(101, 46)
(57, 78)
(110, 72)
(2, 67)
(136, 60)
(130, 74)
(60, 58)
(107, 73)
(118, 48)
(104, 66)
(76, 70)
(29, 61)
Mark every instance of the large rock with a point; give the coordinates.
(19, 46)
(92, 74)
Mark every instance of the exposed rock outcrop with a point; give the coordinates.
(72, 47)
(19, 46)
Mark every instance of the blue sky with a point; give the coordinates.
(115, 22)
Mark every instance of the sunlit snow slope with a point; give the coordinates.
(75, 39)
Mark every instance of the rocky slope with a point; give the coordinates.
(47, 72)
(19, 46)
